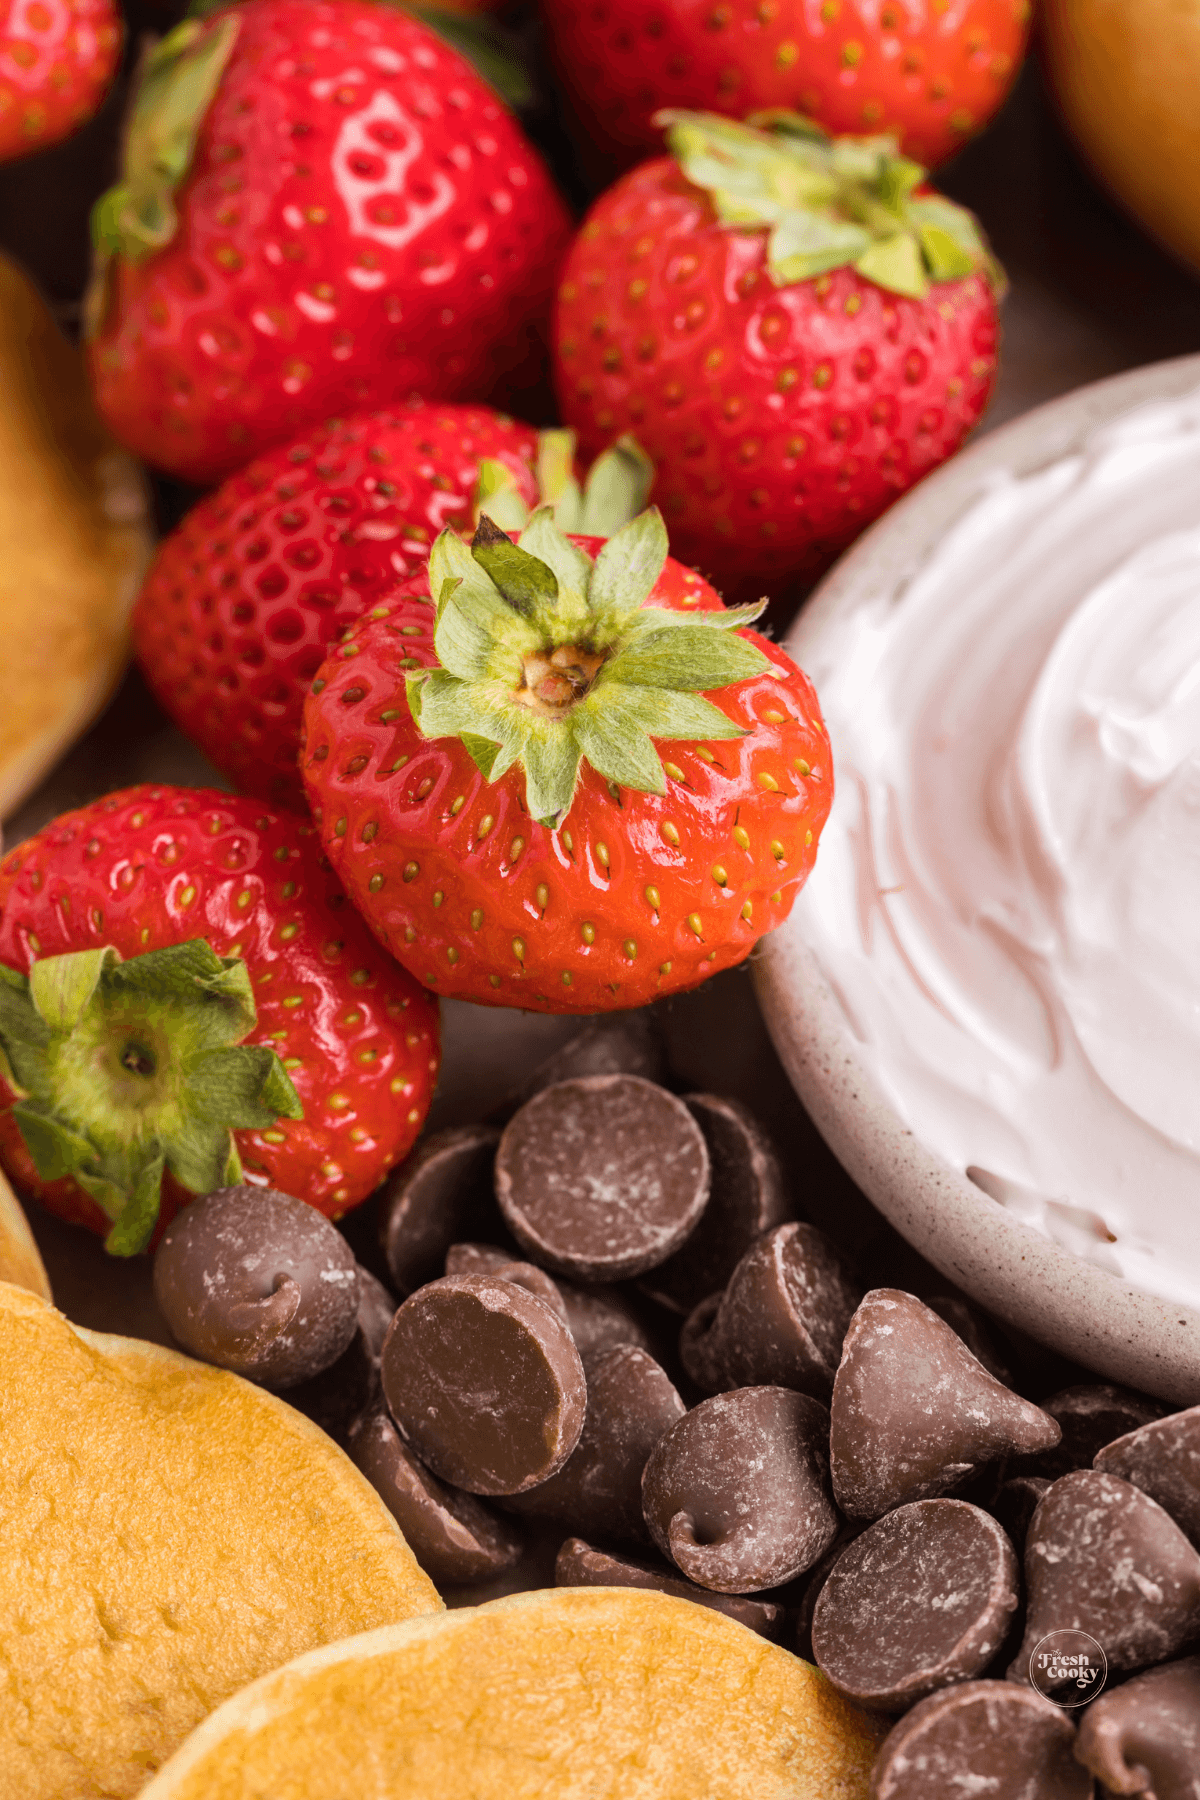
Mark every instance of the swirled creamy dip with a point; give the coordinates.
(1007, 904)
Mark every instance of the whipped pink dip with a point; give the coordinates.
(1007, 903)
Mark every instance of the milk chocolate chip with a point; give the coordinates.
(1144, 1738)
(913, 1412)
(983, 1738)
(485, 1383)
(1163, 1459)
(1090, 1417)
(599, 1318)
(334, 1398)
(781, 1320)
(922, 1599)
(453, 1536)
(748, 1195)
(631, 1404)
(1016, 1503)
(974, 1333)
(603, 1177)
(442, 1193)
(259, 1283)
(578, 1565)
(627, 1044)
(737, 1493)
(1104, 1558)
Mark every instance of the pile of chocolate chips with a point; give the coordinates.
(611, 1325)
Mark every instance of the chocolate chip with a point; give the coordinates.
(259, 1283)
(630, 1044)
(335, 1398)
(982, 1738)
(974, 1333)
(485, 1383)
(748, 1195)
(579, 1565)
(781, 1320)
(442, 1193)
(603, 1177)
(1015, 1504)
(599, 1318)
(813, 1582)
(453, 1536)
(631, 1404)
(913, 1412)
(922, 1599)
(699, 1349)
(1144, 1738)
(535, 1281)
(737, 1493)
(1090, 1417)
(1104, 1558)
(1163, 1459)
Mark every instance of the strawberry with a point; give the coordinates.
(930, 72)
(321, 207)
(246, 595)
(185, 995)
(492, 792)
(797, 330)
(57, 58)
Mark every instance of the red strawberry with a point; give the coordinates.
(355, 218)
(796, 329)
(494, 861)
(246, 595)
(232, 932)
(57, 58)
(931, 72)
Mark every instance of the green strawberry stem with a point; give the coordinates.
(549, 658)
(615, 491)
(831, 203)
(128, 1068)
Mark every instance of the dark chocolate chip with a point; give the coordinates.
(1102, 1557)
(579, 1565)
(699, 1350)
(1163, 1459)
(259, 1283)
(748, 1195)
(631, 1404)
(629, 1044)
(603, 1177)
(982, 1740)
(781, 1320)
(737, 1493)
(814, 1581)
(335, 1398)
(599, 1318)
(442, 1193)
(453, 1536)
(913, 1412)
(1090, 1417)
(1015, 1504)
(485, 1383)
(922, 1599)
(535, 1281)
(1144, 1738)
(974, 1333)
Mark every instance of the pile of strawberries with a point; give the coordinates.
(493, 736)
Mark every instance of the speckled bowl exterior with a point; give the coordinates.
(1082, 1311)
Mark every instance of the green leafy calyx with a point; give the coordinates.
(549, 658)
(178, 80)
(125, 1069)
(830, 203)
(616, 489)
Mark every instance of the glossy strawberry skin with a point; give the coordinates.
(152, 866)
(782, 419)
(247, 593)
(363, 221)
(57, 58)
(932, 74)
(633, 898)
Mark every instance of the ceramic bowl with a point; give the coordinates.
(1083, 1311)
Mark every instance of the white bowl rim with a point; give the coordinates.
(1086, 1313)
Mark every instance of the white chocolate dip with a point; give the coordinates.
(1007, 899)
